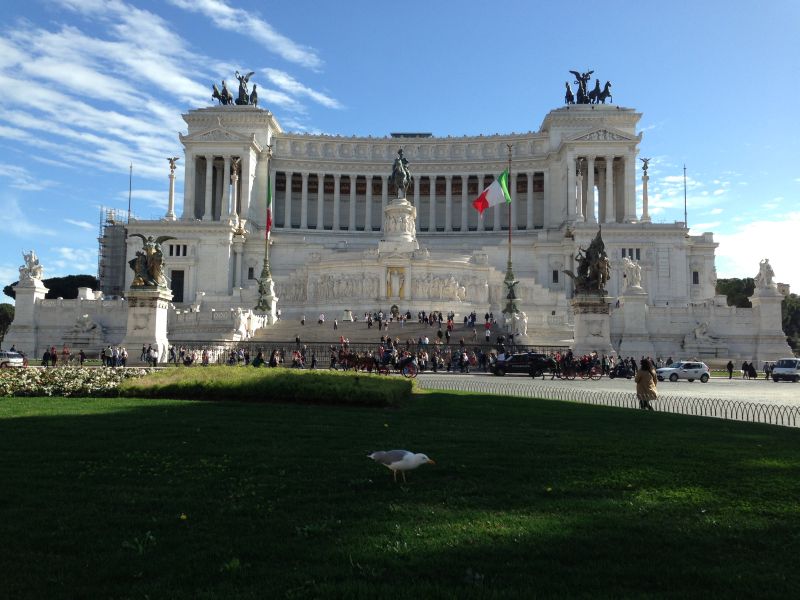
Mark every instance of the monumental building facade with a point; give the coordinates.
(576, 174)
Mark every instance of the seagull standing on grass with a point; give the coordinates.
(400, 460)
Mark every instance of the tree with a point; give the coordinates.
(791, 320)
(737, 290)
(61, 287)
(6, 317)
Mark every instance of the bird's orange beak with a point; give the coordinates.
(431, 461)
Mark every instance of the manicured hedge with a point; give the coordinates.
(270, 385)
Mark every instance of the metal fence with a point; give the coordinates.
(735, 410)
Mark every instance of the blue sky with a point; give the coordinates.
(92, 86)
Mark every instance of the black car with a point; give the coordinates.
(530, 363)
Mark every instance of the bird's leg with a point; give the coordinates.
(404, 476)
(395, 476)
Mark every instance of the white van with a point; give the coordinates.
(786, 368)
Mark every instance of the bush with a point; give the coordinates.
(64, 381)
(270, 385)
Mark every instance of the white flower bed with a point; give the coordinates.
(64, 381)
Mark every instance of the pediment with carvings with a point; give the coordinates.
(604, 135)
(218, 134)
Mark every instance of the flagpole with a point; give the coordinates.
(266, 293)
(509, 146)
(510, 309)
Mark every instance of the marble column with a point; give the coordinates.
(226, 210)
(207, 215)
(304, 201)
(529, 206)
(464, 202)
(481, 218)
(170, 216)
(498, 211)
(448, 203)
(432, 203)
(513, 192)
(189, 174)
(591, 217)
(218, 190)
(629, 187)
(579, 201)
(416, 199)
(570, 187)
(548, 208)
(287, 201)
(351, 221)
(337, 178)
(235, 186)
(368, 204)
(320, 201)
(610, 216)
(384, 196)
(645, 215)
(247, 183)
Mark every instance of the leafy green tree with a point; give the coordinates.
(61, 287)
(737, 290)
(791, 320)
(6, 317)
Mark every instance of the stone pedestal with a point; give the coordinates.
(770, 338)
(268, 304)
(399, 228)
(635, 336)
(592, 325)
(147, 322)
(23, 333)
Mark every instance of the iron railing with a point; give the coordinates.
(735, 410)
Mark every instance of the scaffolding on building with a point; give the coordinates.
(111, 252)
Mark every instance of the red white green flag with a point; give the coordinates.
(493, 195)
(269, 205)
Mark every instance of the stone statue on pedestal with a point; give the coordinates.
(633, 272)
(593, 268)
(148, 264)
(766, 276)
(401, 174)
(31, 269)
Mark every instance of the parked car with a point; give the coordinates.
(685, 369)
(11, 359)
(786, 369)
(530, 363)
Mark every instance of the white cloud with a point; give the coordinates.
(16, 222)
(82, 224)
(249, 24)
(739, 252)
(72, 261)
(703, 227)
(716, 211)
(290, 85)
(22, 179)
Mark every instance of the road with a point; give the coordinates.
(758, 401)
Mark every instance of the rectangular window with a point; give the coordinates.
(623, 253)
(176, 285)
(171, 248)
(695, 277)
(184, 250)
(638, 254)
(555, 275)
(250, 273)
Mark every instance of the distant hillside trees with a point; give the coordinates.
(6, 316)
(62, 287)
(739, 290)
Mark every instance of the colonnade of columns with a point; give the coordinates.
(600, 188)
(211, 189)
(360, 208)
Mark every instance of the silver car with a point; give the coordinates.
(685, 369)
(11, 359)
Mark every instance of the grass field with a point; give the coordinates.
(126, 498)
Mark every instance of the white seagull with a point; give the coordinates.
(400, 460)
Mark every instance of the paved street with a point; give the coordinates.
(757, 401)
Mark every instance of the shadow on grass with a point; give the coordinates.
(125, 498)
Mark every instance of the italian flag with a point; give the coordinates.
(269, 206)
(493, 195)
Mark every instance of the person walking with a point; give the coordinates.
(646, 381)
(729, 366)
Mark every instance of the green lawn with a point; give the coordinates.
(125, 498)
